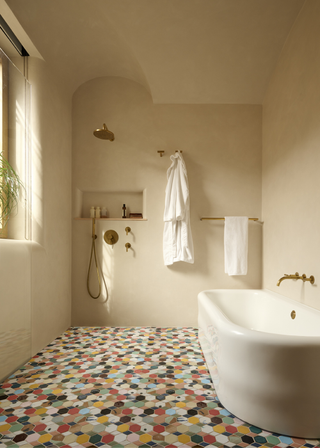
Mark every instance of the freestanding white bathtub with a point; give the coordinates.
(265, 364)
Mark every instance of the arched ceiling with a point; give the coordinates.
(182, 51)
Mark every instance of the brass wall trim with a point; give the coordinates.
(222, 219)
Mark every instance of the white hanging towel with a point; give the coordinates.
(236, 245)
(177, 237)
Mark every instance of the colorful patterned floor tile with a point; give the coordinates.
(122, 387)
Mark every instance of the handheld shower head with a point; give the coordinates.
(104, 133)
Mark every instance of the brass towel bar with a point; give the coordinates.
(222, 219)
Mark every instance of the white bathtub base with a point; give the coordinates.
(269, 380)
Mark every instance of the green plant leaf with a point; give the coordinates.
(10, 186)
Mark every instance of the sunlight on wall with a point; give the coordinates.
(37, 187)
(108, 268)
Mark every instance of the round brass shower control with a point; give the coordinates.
(111, 237)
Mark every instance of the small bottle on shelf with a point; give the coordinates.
(92, 212)
(124, 211)
(103, 212)
(98, 212)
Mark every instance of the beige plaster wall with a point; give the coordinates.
(291, 162)
(35, 292)
(221, 145)
(51, 257)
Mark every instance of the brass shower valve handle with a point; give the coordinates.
(111, 237)
(127, 229)
(127, 245)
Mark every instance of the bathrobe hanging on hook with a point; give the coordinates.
(177, 236)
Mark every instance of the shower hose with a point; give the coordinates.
(93, 255)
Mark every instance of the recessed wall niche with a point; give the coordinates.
(135, 202)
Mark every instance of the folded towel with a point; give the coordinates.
(236, 245)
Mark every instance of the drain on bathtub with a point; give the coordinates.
(293, 314)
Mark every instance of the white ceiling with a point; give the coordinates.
(182, 51)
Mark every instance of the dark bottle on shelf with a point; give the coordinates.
(124, 211)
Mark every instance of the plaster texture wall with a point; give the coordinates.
(35, 292)
(291, 162)
(51, 155)
(221, 146)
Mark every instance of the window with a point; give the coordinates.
(14, 143)
(4, 125)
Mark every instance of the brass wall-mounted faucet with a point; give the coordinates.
(296, 276)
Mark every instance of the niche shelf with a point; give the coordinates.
(113, 200)
(112, 219)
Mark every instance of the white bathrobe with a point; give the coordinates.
(177, 237)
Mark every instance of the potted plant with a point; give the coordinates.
(10, 185)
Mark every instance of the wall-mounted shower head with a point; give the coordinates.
(104, 133)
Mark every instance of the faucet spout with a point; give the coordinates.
(296, 276)
(287, 277)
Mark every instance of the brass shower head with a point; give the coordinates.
(104, 133)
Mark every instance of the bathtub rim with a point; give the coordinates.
(226, 326)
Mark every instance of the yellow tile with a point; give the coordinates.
(193, 420)
(179, 380)
(57, 391)
(145, 438)
(219, 428)
(83, 438)
(44, 438)
(98, 404)
(41, 411)
(123, 428)
(184, 438)
(243, 429)
(181, 404)
(4, 428)
(103, 419)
